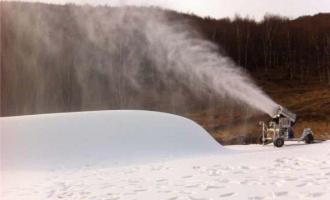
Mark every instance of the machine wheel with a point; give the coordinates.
(279, 142)
(309, 139)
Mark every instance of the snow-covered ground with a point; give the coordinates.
(209, 171)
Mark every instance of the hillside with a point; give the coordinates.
(64, 58)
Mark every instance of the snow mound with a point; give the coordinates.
(112, 137)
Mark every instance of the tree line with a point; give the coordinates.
(297, 48)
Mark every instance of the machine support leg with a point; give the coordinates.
(263, 133)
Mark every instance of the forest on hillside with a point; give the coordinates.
(298, 48)
(62, 58)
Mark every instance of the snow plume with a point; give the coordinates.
(176, 50)
(199, 63)
(90, 58)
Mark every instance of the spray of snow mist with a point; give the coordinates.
(199, 62)
(93, 58)
(173, 47)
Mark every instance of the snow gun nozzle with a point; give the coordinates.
(284, 112)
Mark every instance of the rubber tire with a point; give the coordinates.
(309, 139)
(278, 142)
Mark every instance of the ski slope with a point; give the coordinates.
(114, 155)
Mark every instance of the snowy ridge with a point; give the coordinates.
(107, 137)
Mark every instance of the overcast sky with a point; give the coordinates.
(225, 8)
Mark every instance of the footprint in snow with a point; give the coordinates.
(161, 180)
(291, 179)
(280, 194)
(228, 194)
(186, 177)
(256, 198)
(140, 190)
(315, 194)
(244, 167)
(191, 186)
(321, 178)
(301, 185)
(211, 187)
(196, 167)
(164, 191)
(244, 182)
(325, 168)
(197, 198)
(238, 172)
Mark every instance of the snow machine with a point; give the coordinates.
(279, 129)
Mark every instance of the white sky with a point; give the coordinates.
(224, 8)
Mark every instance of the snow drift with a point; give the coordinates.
(106, 137)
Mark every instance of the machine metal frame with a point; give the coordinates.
(279, 129)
